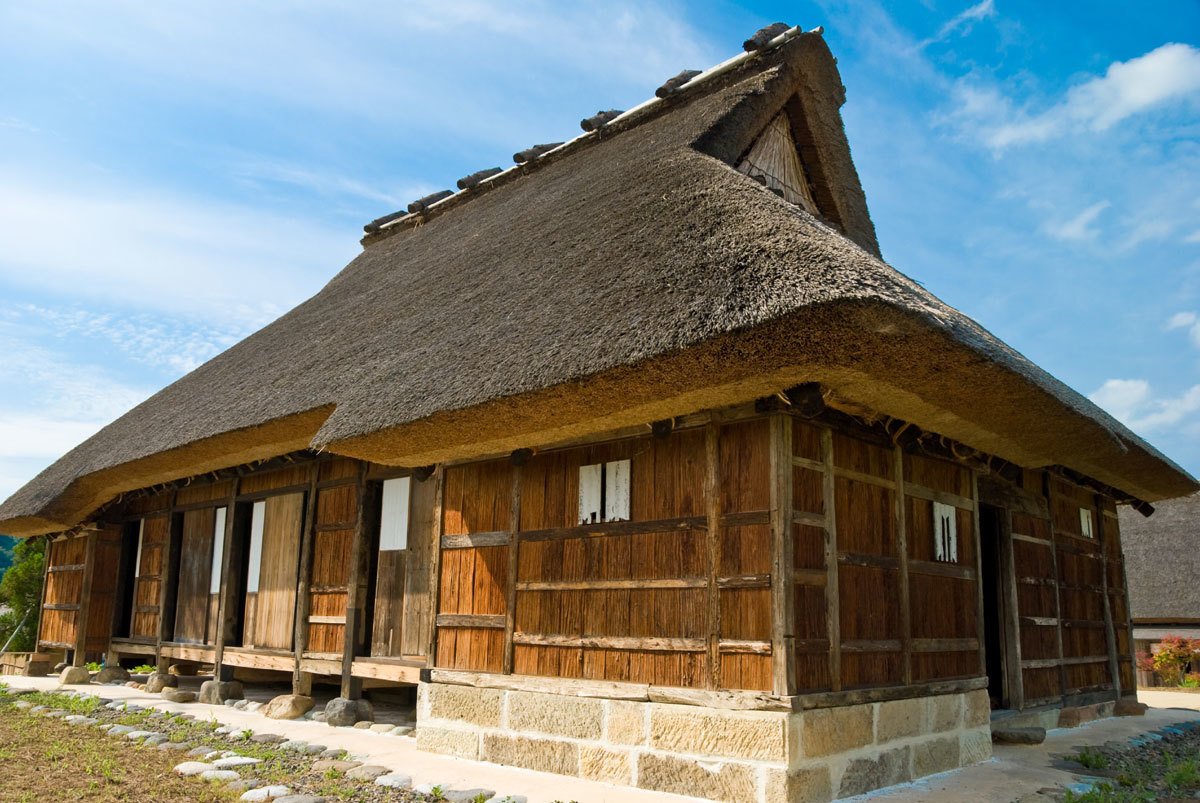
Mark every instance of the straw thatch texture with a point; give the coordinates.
(1162, 561)
(632, 278)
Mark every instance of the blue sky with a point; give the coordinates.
(173, 176)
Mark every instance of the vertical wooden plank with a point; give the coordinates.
(1048, 489)
(357, 586)
(712, 494)
(195, 564)
(833, 624)
(435, 559)
(225, 605)
(514, 540)
(168, 580)
(85, 594)
(37, 630)
(783, 586)
(902, 554)
(303, 595)
(1010, 612)
(979, 628)
(422, 547)
(1110, 633)
(275, 609)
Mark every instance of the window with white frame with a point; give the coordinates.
(604, 492)
(945, 533)
(218, 552)
(1085, 522)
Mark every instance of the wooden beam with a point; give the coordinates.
(1048, 487)
(514, 544)
(356, 594)
(712, 496)
(604, 529)
(979, 614)
(492, 621)
(1110, 633)
(37, 626)
(475, 540)
(226, 617)
(636, 643)
(783, 586)
(898, 505)
(85, 594)
(1010, 610)
(627, 585)
(381, 670)
(833, 629)
(435, 559)
(168, 580)
(303, 591)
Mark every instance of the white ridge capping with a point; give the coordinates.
(710, 73)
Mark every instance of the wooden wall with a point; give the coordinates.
(650, 600)
(329, 583)
(155, 533)
(1063, 581)
(64, 587)
(872, 606)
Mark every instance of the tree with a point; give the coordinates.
(21, 593)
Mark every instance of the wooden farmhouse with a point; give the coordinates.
(637, 462)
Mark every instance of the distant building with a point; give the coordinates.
(1162, 562)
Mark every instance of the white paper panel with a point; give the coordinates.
(1085, 522)
(945, 533)
(616, 491)
(214, 578)
(589, 493)
(257, 519)
(393, 522)
(137, 562)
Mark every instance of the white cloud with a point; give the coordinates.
(1079, 227)
(142, 247)
(1170, 73)
(1181, 319)
(1133, 402)
(964, 20)
(1194, 237)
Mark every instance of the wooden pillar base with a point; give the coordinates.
(302, 683)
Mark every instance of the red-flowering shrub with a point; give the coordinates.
(1173, 657)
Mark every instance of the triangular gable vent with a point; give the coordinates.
(775, 159)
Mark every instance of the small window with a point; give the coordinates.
(393, 521)
(137, 561)
(1085, 522)
(214, 575)
(604, 492)
(258, 517)
(945, 533)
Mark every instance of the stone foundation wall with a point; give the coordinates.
(716, 753)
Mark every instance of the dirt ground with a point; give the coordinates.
(44, 759)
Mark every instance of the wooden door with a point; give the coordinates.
(195, 569)
(152, 541)
(278, 572)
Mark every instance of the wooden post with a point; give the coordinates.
(980, 629)
(1048, 485)
(435, 561)
(85, 595)
(1011, 613)
(168, 582)
(225, 605)
(303, 685)
(1110, 633)
(37, 627)
(833, 625)
(356, 590)
(902, 554)
(783, 583)
(1128, 623)
(514, 538)
(712, 495)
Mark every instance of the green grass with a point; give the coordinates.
(1092, 759)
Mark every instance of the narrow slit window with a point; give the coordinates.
(218, 552)
(393, 520)
(257, 520)
(137, 561)
(1085, 522)
(945, 533)
(604, 492)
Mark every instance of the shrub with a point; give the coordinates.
(1173, 657)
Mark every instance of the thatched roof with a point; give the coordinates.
(627, 276)
(1162, 561)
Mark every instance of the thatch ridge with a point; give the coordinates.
(637, 269)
